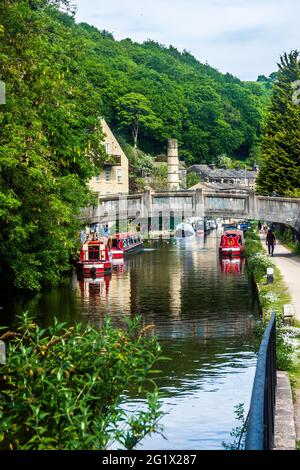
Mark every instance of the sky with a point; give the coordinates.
(242, 37)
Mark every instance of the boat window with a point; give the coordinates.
(93, 252)
(115, 243)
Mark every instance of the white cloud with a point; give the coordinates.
(237, 36)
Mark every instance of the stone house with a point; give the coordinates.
(211, 174)
(114, 177)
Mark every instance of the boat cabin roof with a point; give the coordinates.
(95, 242)
(233, 232)
(124, 235)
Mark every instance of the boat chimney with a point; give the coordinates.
(173, 165)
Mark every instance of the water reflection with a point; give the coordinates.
(204, 314)
(232, 265)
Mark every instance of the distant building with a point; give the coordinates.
(211, 174)
(113, 178)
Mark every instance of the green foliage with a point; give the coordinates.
(208, 112)
(236, 433)
(280, 169)
(60, 77)
(64, 388)
(289, 238)
(49, 139)
(133, 110)
(284, 351)
(191, 179)
(272, 297)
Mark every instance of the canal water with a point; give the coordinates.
(204, 312)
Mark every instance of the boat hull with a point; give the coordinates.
(232, 251)
(120, 253)
(93, 269)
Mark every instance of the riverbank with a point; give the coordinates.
(272, 297)
(288, 263)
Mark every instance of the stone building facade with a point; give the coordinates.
(114, 178)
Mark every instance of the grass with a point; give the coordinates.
(286, 241)
(272, 297)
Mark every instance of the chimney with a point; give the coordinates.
(173, 165)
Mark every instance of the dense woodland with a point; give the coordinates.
(60, 78)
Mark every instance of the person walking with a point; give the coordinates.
(270, 242)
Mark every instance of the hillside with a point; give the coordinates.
(209, 112)
(60, 78)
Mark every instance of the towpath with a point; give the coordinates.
(289, 265)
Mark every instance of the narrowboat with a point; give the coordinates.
(95, 258)
(122, 244)
(232, 243)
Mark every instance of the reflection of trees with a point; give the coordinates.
(189, 282)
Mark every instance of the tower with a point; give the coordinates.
(173, 165)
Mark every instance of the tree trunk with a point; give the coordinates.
(135, 134)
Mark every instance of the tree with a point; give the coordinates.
(192, 179)
(49, 140)
(134, 111)
(280, 168)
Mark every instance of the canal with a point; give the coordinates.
(204, 312)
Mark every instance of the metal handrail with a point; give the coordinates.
(260, 429)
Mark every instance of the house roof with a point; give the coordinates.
(206, 170)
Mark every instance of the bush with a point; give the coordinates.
(272, 297)
(64, 388)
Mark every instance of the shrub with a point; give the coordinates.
(64, 388)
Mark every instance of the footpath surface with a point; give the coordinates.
(289, 265)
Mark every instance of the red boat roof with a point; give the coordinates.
(233, 232)
(124, 235)
(95, 242)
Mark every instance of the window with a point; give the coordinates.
(107, 173)
(93, 253)
(97, 179)
(107, 148)
(119, 176)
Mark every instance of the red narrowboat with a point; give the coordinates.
(124, 243)
(95, 259)
(232, 243)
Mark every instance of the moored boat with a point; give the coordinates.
(95, 259)
(124, 243)
(232, 243)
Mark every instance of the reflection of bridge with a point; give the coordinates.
(239, 204)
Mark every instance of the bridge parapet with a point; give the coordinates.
(199, 203)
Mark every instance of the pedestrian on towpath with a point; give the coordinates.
(271, 242)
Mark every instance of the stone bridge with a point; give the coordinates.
(237, 204)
